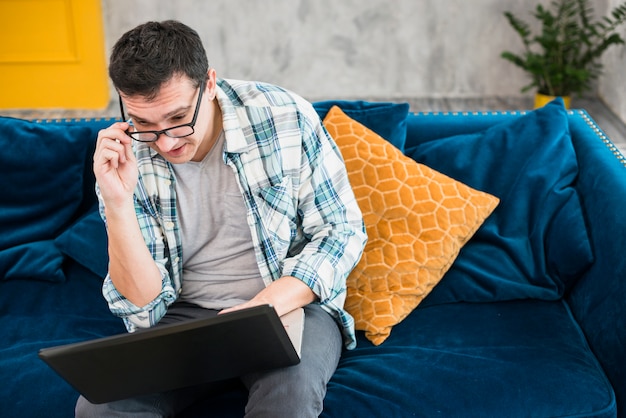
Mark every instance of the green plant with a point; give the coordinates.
(564, 57)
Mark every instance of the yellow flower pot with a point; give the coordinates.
(543, 99)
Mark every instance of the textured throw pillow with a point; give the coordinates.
(535, 245)
(387, 119)
(417, 220)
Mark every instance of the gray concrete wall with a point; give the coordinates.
(612, 85)
(371, 49)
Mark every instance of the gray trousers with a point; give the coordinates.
(296, 391)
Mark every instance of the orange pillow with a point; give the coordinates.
(416, 218)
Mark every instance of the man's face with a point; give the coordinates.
(174, 105)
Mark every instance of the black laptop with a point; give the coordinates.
(179, 355)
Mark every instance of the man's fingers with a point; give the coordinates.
(108, 157)
(129, 154)
(114, 138)
(115, 132)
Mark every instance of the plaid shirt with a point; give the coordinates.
(301, 210)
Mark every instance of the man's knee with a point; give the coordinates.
(286, 393)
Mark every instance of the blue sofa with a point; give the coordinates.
(530, 320)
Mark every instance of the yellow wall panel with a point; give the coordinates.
(52, 54)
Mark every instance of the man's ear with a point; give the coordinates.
(211, 84)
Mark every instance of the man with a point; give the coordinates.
(220, 195)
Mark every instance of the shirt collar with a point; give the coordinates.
(236, 140)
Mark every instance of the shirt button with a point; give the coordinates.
(176, 260)
(169, 225)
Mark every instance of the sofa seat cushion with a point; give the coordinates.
(38, 314)
(513, 359)
(503, 359)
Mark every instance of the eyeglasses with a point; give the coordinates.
(179, 131)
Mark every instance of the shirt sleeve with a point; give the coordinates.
(149, 315)
(331, 221)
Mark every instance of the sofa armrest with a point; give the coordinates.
(598, 301)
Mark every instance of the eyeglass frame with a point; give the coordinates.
(157, 134)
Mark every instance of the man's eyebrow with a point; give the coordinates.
(182, 109)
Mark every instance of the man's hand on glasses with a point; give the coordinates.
(115, 166)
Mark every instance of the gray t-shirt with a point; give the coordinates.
(219, 264)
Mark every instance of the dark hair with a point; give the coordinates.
(152, 53)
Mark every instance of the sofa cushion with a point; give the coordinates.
(463, 360)
(535, 245)
(503, 359)
(85, 241)
(416, 219)
(39, 260)
(385, 118)
(38, 314)
(42, 187)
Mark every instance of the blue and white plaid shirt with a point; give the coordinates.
(301, 210)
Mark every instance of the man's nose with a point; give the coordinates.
(165, 143)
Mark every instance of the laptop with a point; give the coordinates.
(178, 355)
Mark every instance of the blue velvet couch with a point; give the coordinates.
(530, 320)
